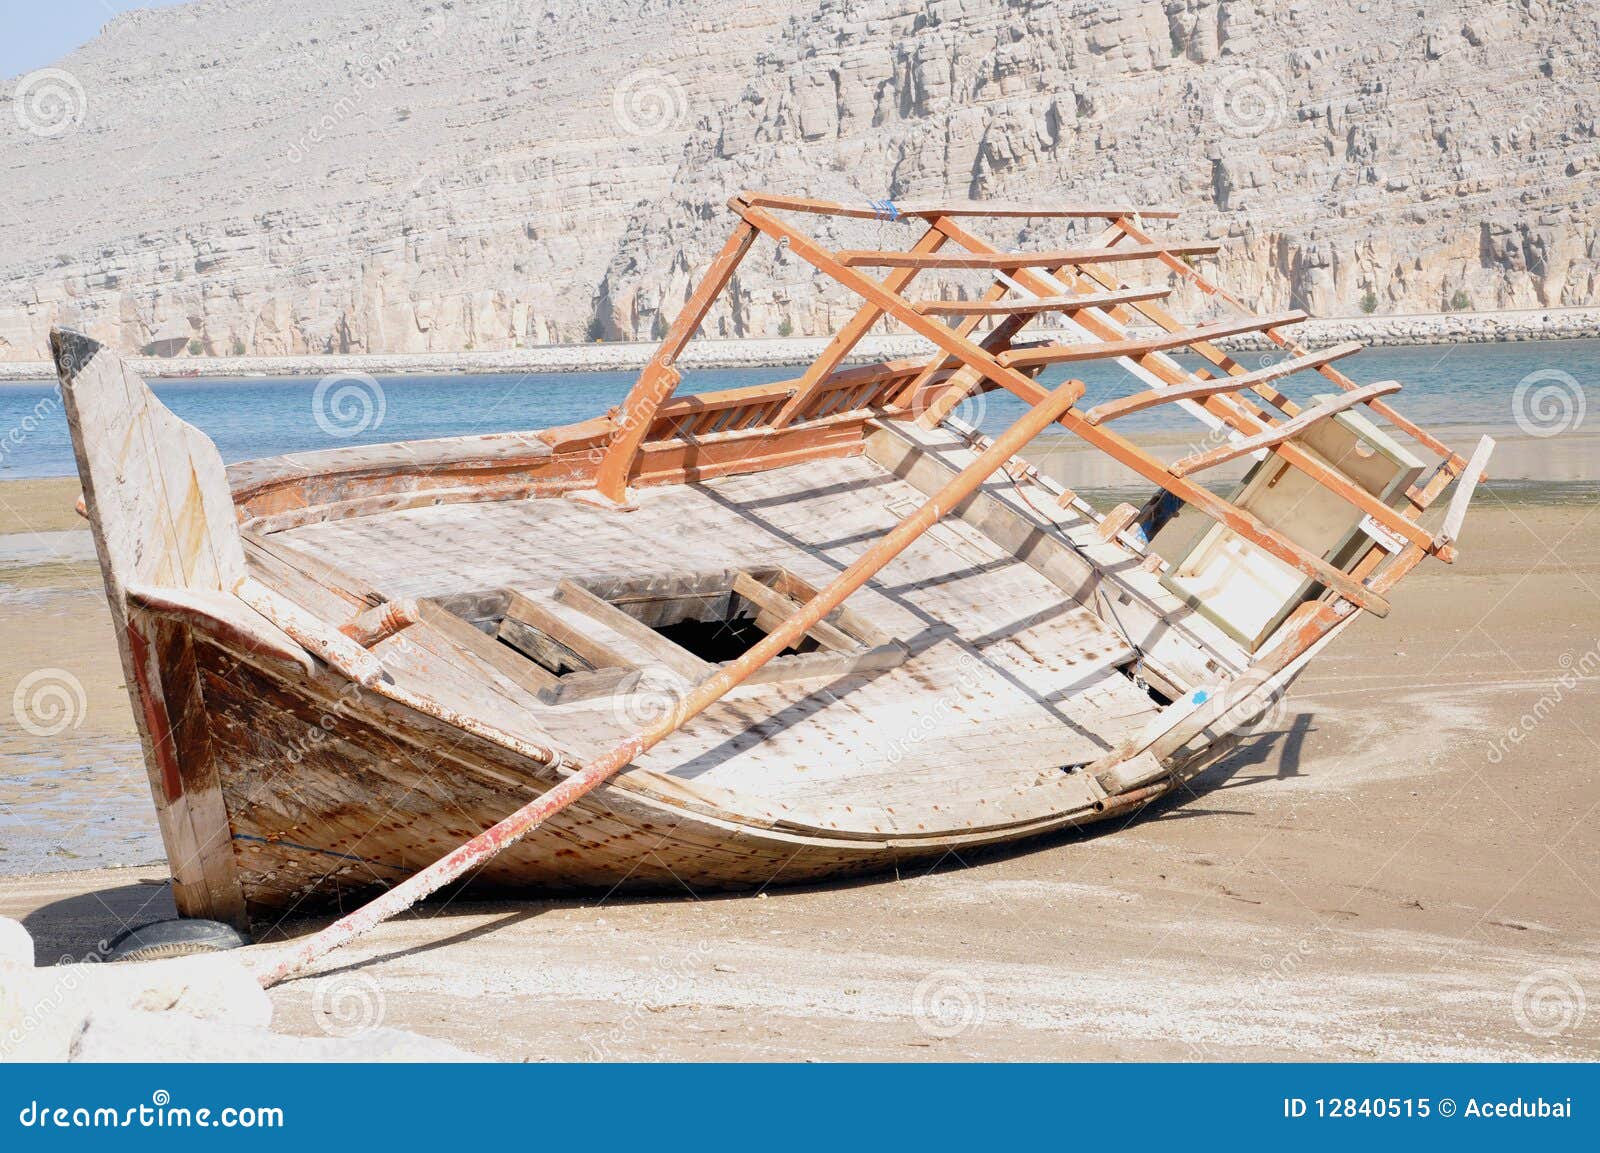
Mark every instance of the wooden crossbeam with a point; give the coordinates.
(1241, 521)
(890, 210)
(659, 379)
(1246, 524)
(1214, 386)
(1232, 408)
(850, 334)
(943, 337)
(1279, 433)
(1417, 433)
(1456, 513)
(999, 338)
(1320, 471)
(984, 307)
(880, 258)
(944, 362)
(1095, 350)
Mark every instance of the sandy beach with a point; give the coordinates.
(1388, 874)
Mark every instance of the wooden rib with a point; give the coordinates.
(1038, 303)
(880, 258)
(597, 654)
(941, 335)
(1456, 514)
(658, 380)
(998, 339)
(661, 650)
(1095, 350)
(1415, 431)
(923, 209)
(1279, 433)
(1238, 519)
(851, 333)
(777, 607)
(517, 669)
(943, 362)
(1199, 389)
(1230, 409)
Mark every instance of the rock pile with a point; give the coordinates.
(204, 1008)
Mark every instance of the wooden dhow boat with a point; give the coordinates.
(764, 635)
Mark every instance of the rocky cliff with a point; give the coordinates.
(290, 176)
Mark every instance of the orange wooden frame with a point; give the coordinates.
(1074, 281)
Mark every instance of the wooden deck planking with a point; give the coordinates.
(892, 739)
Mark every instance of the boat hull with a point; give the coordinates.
(332, 794)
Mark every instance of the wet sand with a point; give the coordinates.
(1384, 875)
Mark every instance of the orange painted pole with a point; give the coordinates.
(496, 839)
(659, 379)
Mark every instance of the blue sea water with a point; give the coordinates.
(1467, 384)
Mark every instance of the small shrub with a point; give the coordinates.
(196, 348)
(1369, 303)
(786, 327)
(237, 347)
(1460, 301)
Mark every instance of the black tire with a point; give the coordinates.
(180, 938)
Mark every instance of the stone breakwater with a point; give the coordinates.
(1377, 331)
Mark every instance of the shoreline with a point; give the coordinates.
(777, 352)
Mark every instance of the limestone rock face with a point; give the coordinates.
(288, 176)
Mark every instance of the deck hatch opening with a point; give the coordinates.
(719, 617)
(580, 641)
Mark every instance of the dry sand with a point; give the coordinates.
(1370, 880)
